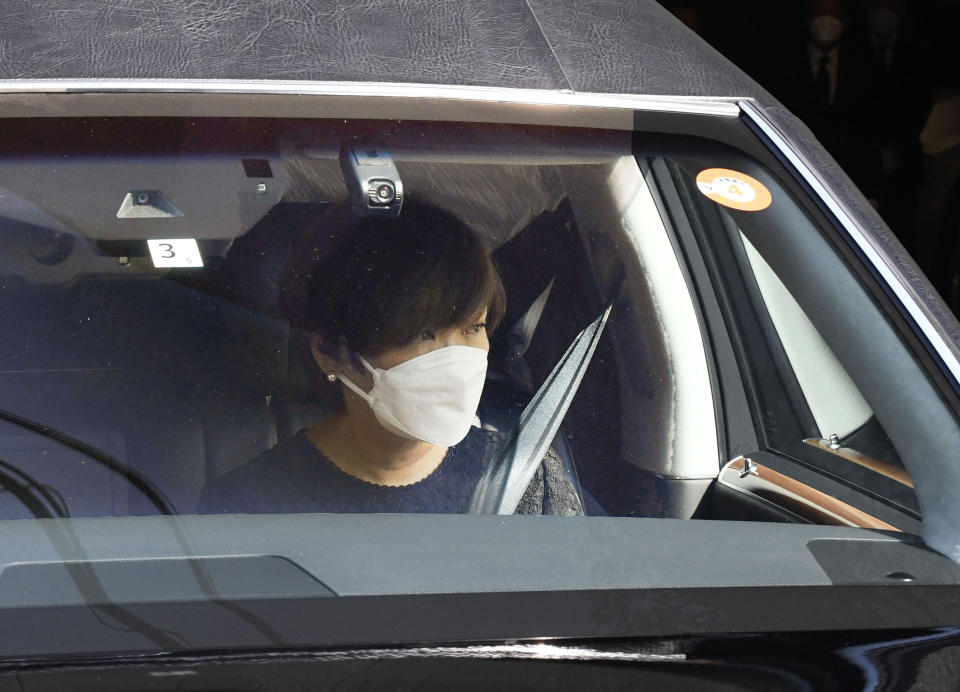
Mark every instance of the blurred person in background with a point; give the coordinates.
(900, 97)
(824, 80)
(862, 75)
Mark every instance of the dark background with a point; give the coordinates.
(892, 116)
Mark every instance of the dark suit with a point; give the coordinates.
(842, 124)
(899, 97)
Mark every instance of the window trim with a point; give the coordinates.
(561, 97)
(878, 258)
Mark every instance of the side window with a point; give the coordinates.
(812, 350)
(845, 425)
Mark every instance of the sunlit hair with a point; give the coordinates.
(386, 281)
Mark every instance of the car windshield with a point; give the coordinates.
(245, 323)
(174, 283)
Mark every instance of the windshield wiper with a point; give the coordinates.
(131, 475)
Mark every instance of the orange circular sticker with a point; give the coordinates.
(734, 189)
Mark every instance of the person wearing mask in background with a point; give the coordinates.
(824, 80)
(900, 98)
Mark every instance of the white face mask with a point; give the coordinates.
(826, 30)
(883, 22)
(433, 397)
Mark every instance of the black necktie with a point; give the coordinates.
(883, 54)
(821, 81)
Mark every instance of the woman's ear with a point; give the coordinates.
(327, 363)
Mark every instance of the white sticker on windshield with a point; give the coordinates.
(175, 252)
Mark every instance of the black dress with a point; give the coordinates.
(294, 476)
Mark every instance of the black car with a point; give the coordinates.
(750, 387)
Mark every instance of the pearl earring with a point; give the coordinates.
(332, 377)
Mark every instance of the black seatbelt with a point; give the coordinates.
(507, 476)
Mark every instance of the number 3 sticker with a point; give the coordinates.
(175, 252)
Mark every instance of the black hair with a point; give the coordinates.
(388, 280)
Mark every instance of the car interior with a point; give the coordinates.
(182, 374)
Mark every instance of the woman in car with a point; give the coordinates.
(398, 315)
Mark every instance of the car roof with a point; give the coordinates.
(607, 46)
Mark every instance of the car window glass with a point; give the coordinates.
(168, 328)
(762, 270)
(147, 277)
(846, 424)
(834, 400)
(812, 408)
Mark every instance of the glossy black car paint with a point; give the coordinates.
(823, 661)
